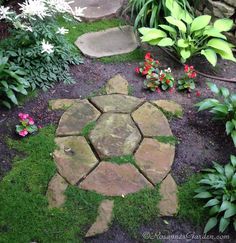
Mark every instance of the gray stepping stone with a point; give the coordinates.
(115, 180)
(74, 158)
(115, 135)
(101, 225)
(55, 192)
(117, 85)
(168, 205)
(151, 121)
(98, 9)
(109, 42)
(155, 159)
(116, 103)
(76, 118)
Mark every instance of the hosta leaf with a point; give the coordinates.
(181, 26)
(153, 34)
(168, 28)
(144, 30)
(185, 54)
(224, 223)
(166, 42)
(220, 45)
(220, 108)
(213, 87)
(200, 22)
(203, 195)
(219, 168)
(229, 171)
(210, 55)
(234, 224)
(233, 160)
(233, 181)
(224, 206)
(212, 202)
(207, 104)
(214, 33)
(233, 136)
(223, 24)
(225, 92)
(182, 43)
(11, 96)
(229, 127)
(230, 211)
(211, 223)
(225, 55)
(214, 210)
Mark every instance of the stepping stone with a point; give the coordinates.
(62, 104)
(155, 159)
(116, 103)
(76, 118)
(74, 158)
(117, 85)
(151, 121)
(110, 42)
(55, 192)
(170, 106)
(115, 135)
(115, 180)
(98, 9)
(103, 220)
(168, 205)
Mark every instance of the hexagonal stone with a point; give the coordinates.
(151, 121)
(115, 135)
(55, 192)
(155, 159)
(116, 103)
(117, 85)
(76, 118)
(110, 42)
(98, 9)
(62, 104)
(168, 205)
(115, 180)
(169, 106)
(74, 158)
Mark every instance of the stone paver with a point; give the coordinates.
(117, 85)
(115, 180)
(76, 118)
(103, 220)
(169, 106)
(151, 121)
(116, 103)
(109, 42)
(168, 205)
(155, 159)
(62, 104)
(115, 135)
(55, 192)
(74, 158)
(98, 9)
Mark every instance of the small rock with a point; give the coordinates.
(55, 192)
(62, 104)
(168, 205)
(103, 220)
(117, 85)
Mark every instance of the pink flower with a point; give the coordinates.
(186, 68)
(31, 121)
(171, 90)
(148, 56)
(198, 94)
(23, 116)
(158, 90)
(23, 133)
(137, 69)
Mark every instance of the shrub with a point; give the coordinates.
(12, 82)
(218, 188)
(223, 108)
(188, 37)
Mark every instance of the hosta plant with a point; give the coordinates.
(187, 82)
(27, 125)
(12, 82)
(188, 37)
(223, 108)
(218, 189)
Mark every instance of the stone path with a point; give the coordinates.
(124, 125)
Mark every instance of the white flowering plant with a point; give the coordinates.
(38, 43)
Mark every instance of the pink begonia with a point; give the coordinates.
(23, 116)
(23, 133)
(31, 121)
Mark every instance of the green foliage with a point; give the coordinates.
(12, 82)
(188, 37)
(218, 190)
(136, 209)
(189, 208)
(150, 13)
(24, 214)
(167, 139)
(123, 160)
(223, 108)
(88, 128)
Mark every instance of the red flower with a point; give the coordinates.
(157, 62)
(158, 90)
(168, 81)
(198, 94)
(137, 69)
(186, 68)
(192, 75)
(148, 56)
(145, 71)
(162, 76)
(171, 90)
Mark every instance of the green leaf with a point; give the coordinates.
(153, 34)
(200, 22)
(207, 104)
(225, 92)
(223, 24)
(230, 211)
(211, 223)
(229, 171)
(233, 181)
(182, 43)
(229, 127)
(210, 55)
(213, 87)
(224, 223)
(225, 55)
(220, 45)
(181, 26)
(233, 136)
(166, 42)
(168, 28)
(11, 96)
(213, 32)
(212, 202)
(233, 160)
(224, 206)
(185, 53)
(203, 195)
(214, 210)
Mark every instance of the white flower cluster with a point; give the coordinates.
(168, 70)
(5, 13)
